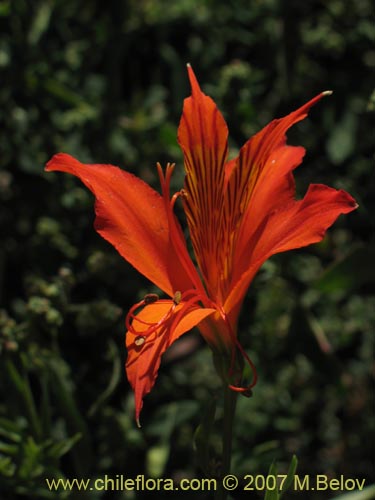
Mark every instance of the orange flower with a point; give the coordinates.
(239, 213)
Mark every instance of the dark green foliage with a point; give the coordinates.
(104, 81)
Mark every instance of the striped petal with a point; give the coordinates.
(261, 179)
(260, 183)
(132, 217)
(203, 135)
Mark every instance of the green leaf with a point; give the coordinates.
(8, 449)
(59, 377)
(290, 476)
(60, 448)
(7, 467)
(22, 386)
(40, 22)
(272, 494)
(11, 430)
(62, 92)
(31, 465)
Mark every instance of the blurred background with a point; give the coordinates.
(105, 82)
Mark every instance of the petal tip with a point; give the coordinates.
(50, 165)
(57, 160)
(195, 88)
(352, 203)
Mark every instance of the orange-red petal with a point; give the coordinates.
(297, 224)
(304, 221)
(260, 180)
(203, 135)
(143, 360)
(132, 217)
(260, 184)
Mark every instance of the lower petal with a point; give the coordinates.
(145, 351)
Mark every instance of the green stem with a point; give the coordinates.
(22, 385)
(230, 400)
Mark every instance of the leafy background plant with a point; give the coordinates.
(105, 82)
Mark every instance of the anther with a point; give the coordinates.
(140, 340)
(150, 298)
(177, 298)
(247, 393)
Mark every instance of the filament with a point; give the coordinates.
(170, 319)
(246, 391)
(175, 230)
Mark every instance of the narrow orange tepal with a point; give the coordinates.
(239, 213)
(195, 87)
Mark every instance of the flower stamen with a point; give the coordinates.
(150, 298)
(177, 298)
(185, 300)
(175, 230)
(245, 391)
(140, 340)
